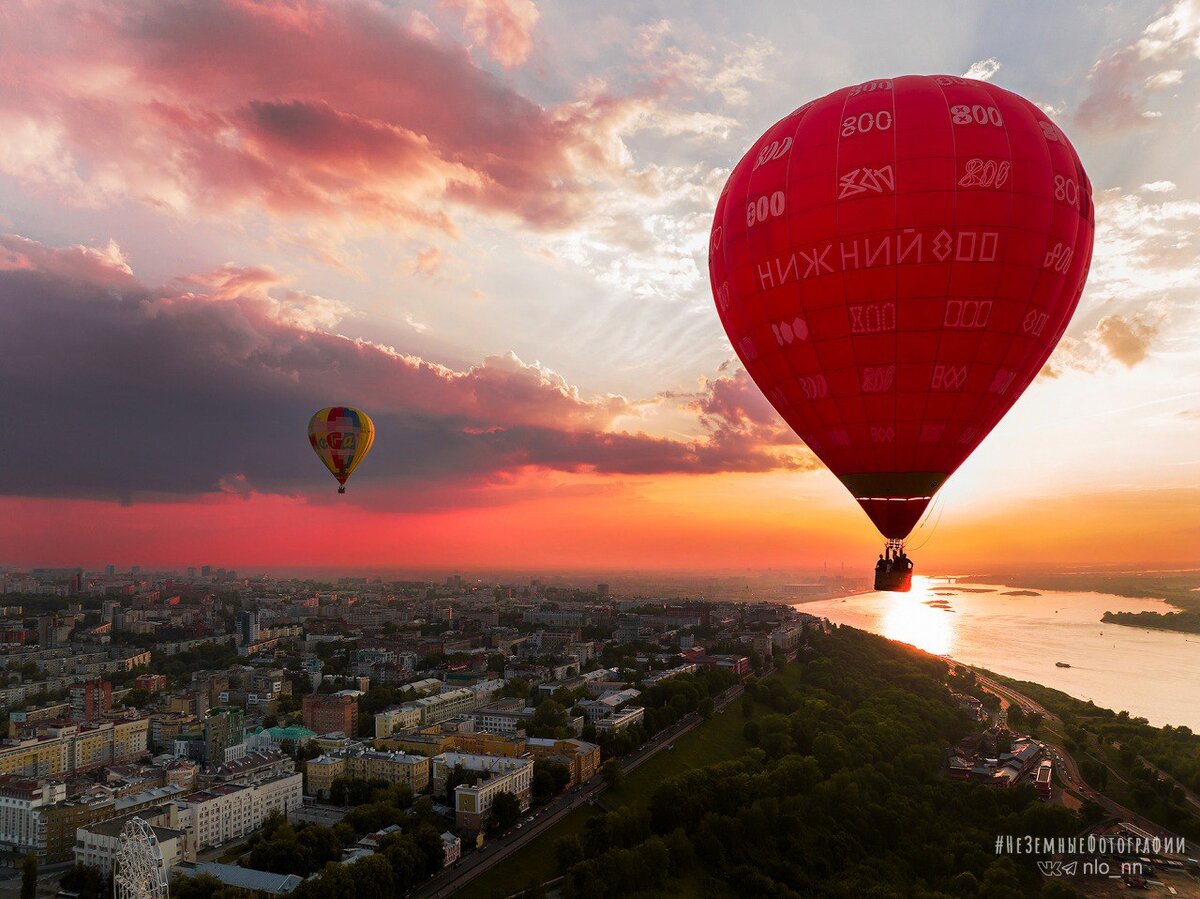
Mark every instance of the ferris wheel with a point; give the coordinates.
(139, 872)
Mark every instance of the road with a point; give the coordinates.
(1068, 769)
(532, 826)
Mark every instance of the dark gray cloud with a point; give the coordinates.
(116, 390)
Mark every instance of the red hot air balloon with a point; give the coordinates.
(893, 264)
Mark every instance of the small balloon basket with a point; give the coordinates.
(895, 574)
(894, 581)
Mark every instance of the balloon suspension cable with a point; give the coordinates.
(937, 521)
(924, 523)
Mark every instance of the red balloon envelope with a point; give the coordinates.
(893, 264)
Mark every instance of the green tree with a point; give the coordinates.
(549, 719)
(514, 687)
(85, 880)
(1000, 881)
(506, 809)
(201, 886)
(568, 851)
(136, 698)
(29, 874)
(549, 778)
(613, 774)
(373, 878)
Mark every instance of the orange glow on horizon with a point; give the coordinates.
(699, 523)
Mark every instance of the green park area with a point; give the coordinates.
(716, 740)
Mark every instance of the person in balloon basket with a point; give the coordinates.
(889, 563)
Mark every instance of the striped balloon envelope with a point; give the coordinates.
(341, 436)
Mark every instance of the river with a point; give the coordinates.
(1151, 674)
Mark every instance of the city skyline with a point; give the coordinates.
(217, 218)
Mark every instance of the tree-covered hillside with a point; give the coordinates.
(845, 795)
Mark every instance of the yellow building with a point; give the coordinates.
(487, 744)
(64, 749)
(33, 757)
(366, 764)
(321, 772)
(167, 727)
(581, 757)
(20, 720)
(473, 802)
(427, 744)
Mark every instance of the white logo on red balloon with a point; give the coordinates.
(789, 332)
(723, 297)
(867, 180)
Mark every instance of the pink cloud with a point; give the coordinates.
(504, 27)
(98, 266)
(1122, 83)
(301, 108)
(427, 261)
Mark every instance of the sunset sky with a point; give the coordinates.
(486, 222)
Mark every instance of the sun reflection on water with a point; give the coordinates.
(909, 618)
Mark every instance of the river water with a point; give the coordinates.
(1151, 674)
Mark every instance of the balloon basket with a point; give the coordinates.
(893, 581)
(341, 490)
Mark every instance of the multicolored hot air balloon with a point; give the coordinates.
(341, 436)
(893, 264)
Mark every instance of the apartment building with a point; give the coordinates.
(328, 713)
(98, 845)
(618, 721)
(473, 803)
(57, 823)
(395, 718)
(448, 704)
(253, 767)
(19, 798)
(595, 709)
(580, 757)
(68, 748)
(231, 811)
(659, 676)
(367, 764)
(503, 717)
(90, 700)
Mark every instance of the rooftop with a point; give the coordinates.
(244, 878)
(114, 826)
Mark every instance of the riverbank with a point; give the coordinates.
(1151, 770)
(1151, 672)
(1180, 622)
(1178, 588)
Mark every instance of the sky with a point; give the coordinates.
(486, 223)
